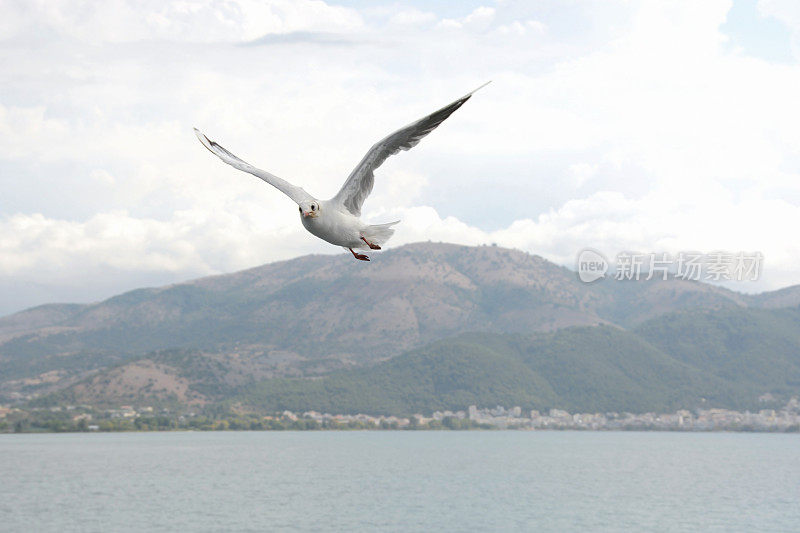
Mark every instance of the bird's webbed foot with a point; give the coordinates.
(360, 257)
(372, 246)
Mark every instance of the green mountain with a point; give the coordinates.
(581, 369)
(761, 346)
(513, 326)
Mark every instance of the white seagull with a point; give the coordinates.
(337, 220)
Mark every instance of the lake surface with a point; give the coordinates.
(400, 481)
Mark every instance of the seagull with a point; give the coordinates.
(337, 220)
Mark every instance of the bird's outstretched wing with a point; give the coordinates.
(359, 184)
(295, 193)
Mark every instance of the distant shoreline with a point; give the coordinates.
(549, 430)
(79, 419)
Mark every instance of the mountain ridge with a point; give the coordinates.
(314, 314)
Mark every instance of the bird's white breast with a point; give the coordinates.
(335, 226)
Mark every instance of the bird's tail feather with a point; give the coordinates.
(379, 233)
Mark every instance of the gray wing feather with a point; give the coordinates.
(295, 193)
(359, 184)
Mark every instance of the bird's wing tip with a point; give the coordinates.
(202, 136)
(469, 94)
(205, 141)
(479, 88)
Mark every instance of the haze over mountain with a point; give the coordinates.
(316, 314)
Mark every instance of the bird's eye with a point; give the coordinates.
(300, 208)
(313, 207)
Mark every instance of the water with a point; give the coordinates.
(400, 481)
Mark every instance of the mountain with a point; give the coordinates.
(686, 359)
(761, 346)
(315, 315)
(587, 369)
(682, 360)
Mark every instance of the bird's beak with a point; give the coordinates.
(306, 214)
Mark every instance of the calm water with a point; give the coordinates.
(400, 481)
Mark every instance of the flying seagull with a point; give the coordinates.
(337, 220)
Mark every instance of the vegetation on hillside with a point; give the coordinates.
(585, 369)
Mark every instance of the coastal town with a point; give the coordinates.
(147, 418)
(785, 419)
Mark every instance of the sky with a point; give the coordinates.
(615, 125)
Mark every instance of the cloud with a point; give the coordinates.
(200, 21)
(520, 28)
(412, 17)
(111, 248)
(478, 20)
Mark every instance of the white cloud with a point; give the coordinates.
(788, 12)
(202, 242)
(102, 177)
(477, 20)
(784, 10)
(27, 132)
(582, 172)
(520, 28)
(198, 21)
(412, 17)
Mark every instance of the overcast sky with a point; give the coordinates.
(648, 126)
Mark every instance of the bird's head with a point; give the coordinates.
(309, 209)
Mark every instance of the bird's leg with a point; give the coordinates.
(360, 257)
(372, 246)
